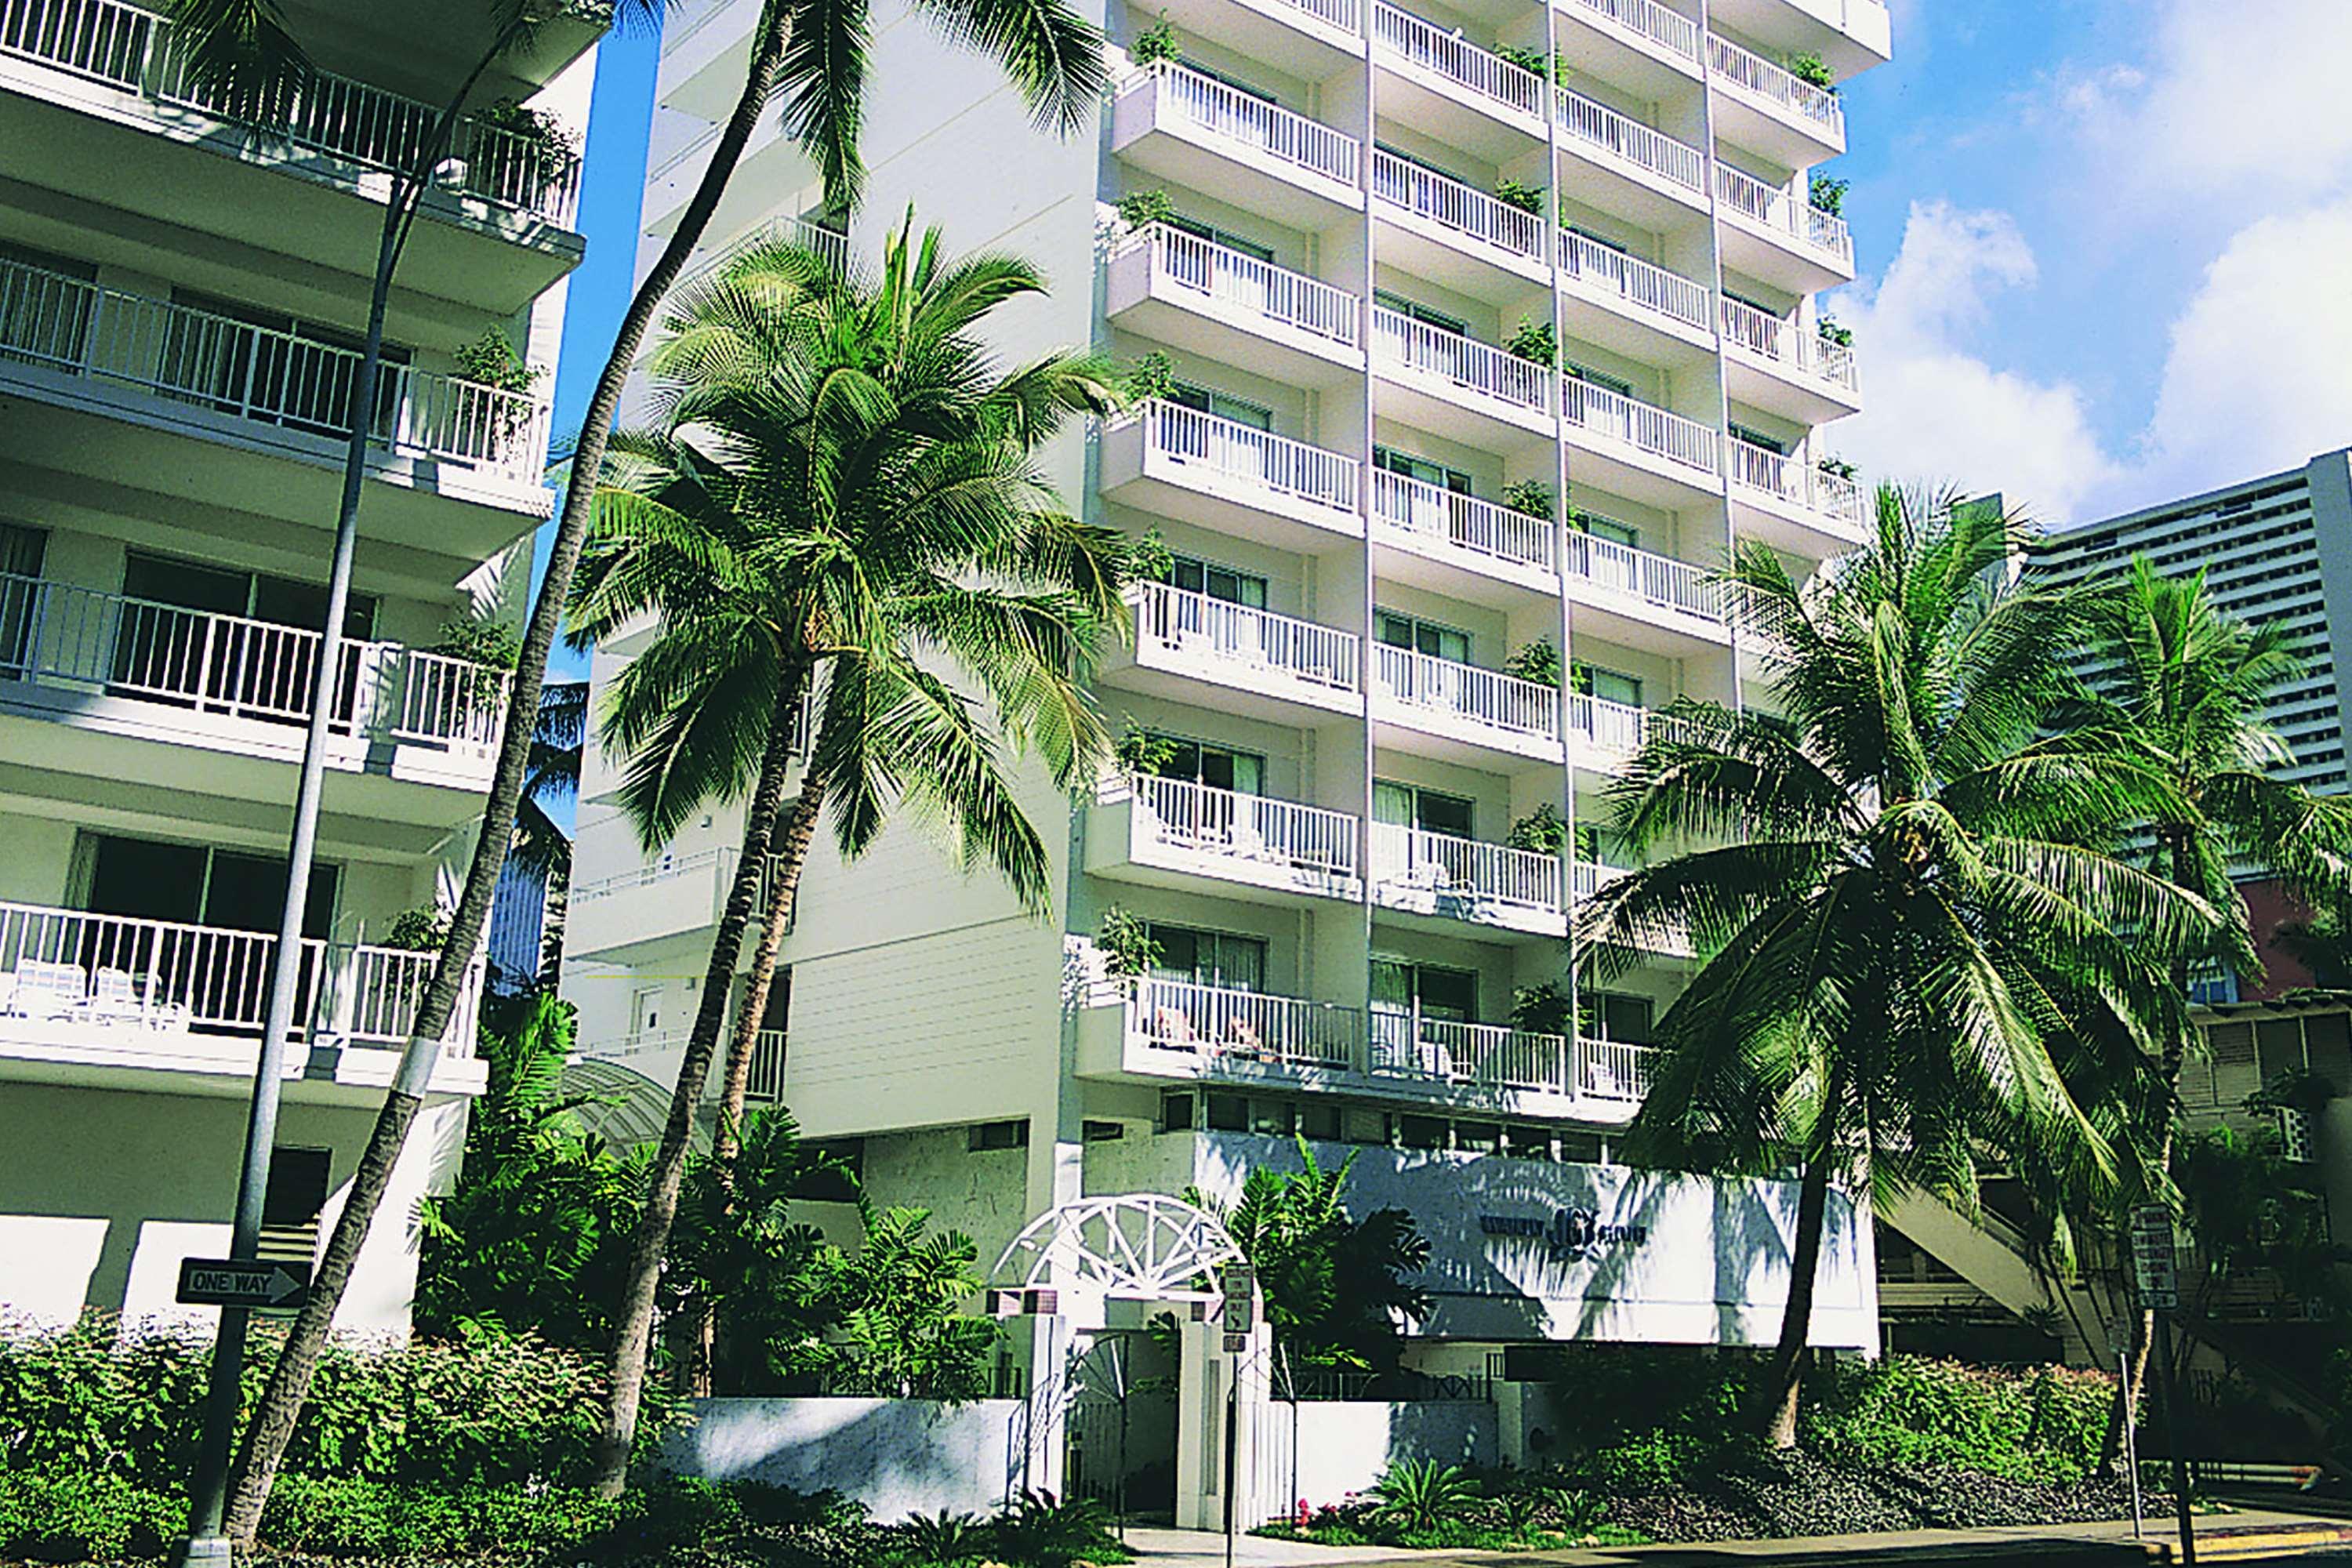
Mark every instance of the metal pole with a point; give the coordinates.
(2170, 1396)
(2131, 1439)
(1233, 1422)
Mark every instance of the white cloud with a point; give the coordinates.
(1937, 412)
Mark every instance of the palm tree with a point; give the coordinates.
(842, 478)
(1900, 886)
(541, 844)
(813, 54)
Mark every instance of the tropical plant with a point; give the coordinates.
(1910, 921)
(1544, 1008)
(1142, 751)
(1152, 375)
(943, 1539)
(1141, 209)
(899, 1328)
(1575, 1512)
(1537, 660)
(1336, 1287)
(491, 361)
(1149, 558)
(541, 844)
(842, 494)
(1124, 938)
(1417, 1495)
(1830, 331)
(1535, 342)
(1836, 467)
(1052, 1532)
(419, 930)
(2321, 944)
(737, 1259)
(1527, 198)
(1535, 62)
(1541, 830)
(1827, 194)
(1156, 44)
(1814, 71)
(1529, 498)
(811, 59)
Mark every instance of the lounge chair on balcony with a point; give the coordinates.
(1246, 1043)
(1169, 1027)
(114, 999)
(48, 992)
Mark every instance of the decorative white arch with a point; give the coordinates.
(1135, 1246)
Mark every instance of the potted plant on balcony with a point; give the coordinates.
(1536, 662)
(1527, 198)
(531, 153)
(420, 930)
(1535, 342)
(1529, 498)
(491, 362)
(1542, 1009)
(1836, 467)
(1151, 559)
(1833, 333)
(1814, 71)
(1535, 62)
(1541, 831)
(1828, 195)
(1152, 376)
(1124, 938)
(1141, 209)
(1156, 44)
(1142, 752)
(490, 646)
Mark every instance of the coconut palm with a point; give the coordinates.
(813, 56)
(843, 478)
(1901, 886)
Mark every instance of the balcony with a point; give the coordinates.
(1786, 370)
(1587, 881)
(1851, 35)
(1169, 832)
(831, 245)
(1451, 234)
(1790, 503)
(1447, 87)
(1634, 307)
(134, 669)
(1195, 130)
(1605, 735)
(1636, 450)
(1655, 181)
(1640, 599)
(1764, 108)
(1458, 545)
(118, 382)
(1779, 236)
(626, 917)
(1266, 665)
(1234, 478)
(1646, 47)
(1306, 40)
(1602, 1080)
(1458, 387)
(653, 1056)
(1215, 301)
(1475, 710)
(81, 994)
(499, 215)
(1442, 879)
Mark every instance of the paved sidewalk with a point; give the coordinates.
(2241, 1536)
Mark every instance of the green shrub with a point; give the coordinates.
(63, 1515)
(1419, 1496)
(2046, 1424)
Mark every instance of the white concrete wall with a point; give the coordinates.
(1345, 1445)
(897, 1457)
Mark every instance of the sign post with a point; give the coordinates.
(246, 1284)
(2155, 1271)
(1239, 1280)
(2131, 1435)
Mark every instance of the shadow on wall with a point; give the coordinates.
(897, 1457)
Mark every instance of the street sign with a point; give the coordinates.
(1240, 1281)
(226, 1282)
(2156, 1267)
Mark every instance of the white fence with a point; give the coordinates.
(1219, 1021)
(1757, 75)
(1454, 58)
(1599, 411)
(1597, 126)
(58, 634)
(259, 374)
(1648, 19)
(1450, 204)
(1658, 580)
(1182, 814)
(1483, 1055)
(1795, 481)
(1613, 726)
(1486, 697)
(1260, 459)
(1256, 287)
(1484, 875)
(1786, 343)
(1778, 209)
(133, 49)
(1267, 128)
(1649, 286)
(1468, 364)
(1192, 622)
(1431, 513)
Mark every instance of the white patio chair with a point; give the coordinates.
(114, 998)
(49, 992)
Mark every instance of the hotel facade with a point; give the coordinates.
(182, 296)
(1326, 227)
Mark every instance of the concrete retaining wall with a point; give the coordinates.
(897, 1457)
(1344, 1445)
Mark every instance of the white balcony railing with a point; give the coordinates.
(1484, 1056)
(830, 244)
(1257, 459)
(1599, 411)
(60, 634)
(1666, 28)
(1241, 282)
(132, 48)
(1486, 698)
(765, 1084)
(1477, 71)
(1193, 623)
(1479, 369)
(716, 865)
(1616, 727)
(1182, 814)
(1788, 343)
(1463, 875)
(1600, 127)
(261, 375)
(1638, 282)
(1658, 580)
(1348, 15)
(1589, 876)
(1472, 214)
(1796, 480)
(1783, 211)
(1754, 74)
(1432, 513)
(1613, 1070)
(142, 984)
(1228, 112)
(1219, 1022)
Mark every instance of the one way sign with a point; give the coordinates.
(224, 1282)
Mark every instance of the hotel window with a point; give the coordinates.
(46, 320)
(1404, 805)
(1319, 1120)
(1599, 378)
(1197, 576)
(1427, 315)
(1214, 766)
(996, 1135)
(1608, 685)
(1607, 528)
(22, 550)
(1757, 438)
(1239, 410)
(1438, 641)
(1222, 237)
(1390, 460)
(195, 884)
(1420, 1131)
(1209, 957)
(276, 371)
(1614, 1016)
(1432, 991)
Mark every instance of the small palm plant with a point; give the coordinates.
(1420, 1495)
(942, 1539)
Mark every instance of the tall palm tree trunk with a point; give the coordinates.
(632, 1324)
(1786, 1388)
(785, 861)
(290, 1382)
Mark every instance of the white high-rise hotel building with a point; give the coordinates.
(181, 297)
(1365, 204)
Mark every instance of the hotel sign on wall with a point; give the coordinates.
(1571, 1234)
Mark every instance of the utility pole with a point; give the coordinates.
(2155, 1271)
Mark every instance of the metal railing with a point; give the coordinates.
(1613, 1070)
(1646, 19)
(1477, 368)
(1265, 127)
(1475, 70)
(145, 981)
(1182, 619)
(133, 49)
(262, 376)
(765, 1084)
(1629, 141)
(720, 863)
(59, 634)
(1259, 459)
(1227, 823)
(1658, 580)
(1599, 411)
(1608, 726)
(1450, 204)
(1219, 1021)
(1782, 210)
(1471, 874)
(1639, 282)
(1348, 15)
(1486, 697)
(1795, 480)
(1786, 343)
(1425, 511)
(1755, 74)
(1256, 287)
(830, 244)
(1586, 878)
(1485, 1056)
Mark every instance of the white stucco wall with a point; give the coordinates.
(1345, 1445)
(897, 1457)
